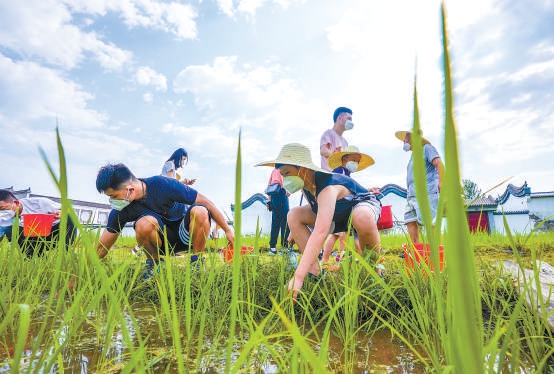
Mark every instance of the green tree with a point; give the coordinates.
(471, 189)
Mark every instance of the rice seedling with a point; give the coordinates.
(238, 317)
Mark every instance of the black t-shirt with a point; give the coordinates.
(167, 197)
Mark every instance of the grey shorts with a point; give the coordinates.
(375, 208)
(412, 213)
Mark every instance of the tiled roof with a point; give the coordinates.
(251, 200)
(542, 194)
(395, 189)
(481, 201)
(514, 191)
(77, 202)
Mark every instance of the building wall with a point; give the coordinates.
(250, 217)
(542, 207)
(518, 223)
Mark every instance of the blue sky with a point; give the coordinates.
(132, 80)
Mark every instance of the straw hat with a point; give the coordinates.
(335, 160)
(402, 136)
(294, 154)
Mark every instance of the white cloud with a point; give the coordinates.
(149, 77)
(172, 17)
(148, 97)
(250, 7)
(225, 86)
(37, 92)
(43, 30)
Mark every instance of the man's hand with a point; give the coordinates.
(374, 190)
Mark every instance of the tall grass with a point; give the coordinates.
(240, 318)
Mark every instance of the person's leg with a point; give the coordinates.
(199, 227)
(413, 231)
(299, 219)
(364, 220)
(411, 214)
(285, 234)
(147, 229)
(275, 225)
(328, 247)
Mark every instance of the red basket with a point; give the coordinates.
(37, 224)
(385, 220)
(422, 254)
(229, 252)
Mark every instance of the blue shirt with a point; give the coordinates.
(431, 172)
(341, 170)
(167, 198)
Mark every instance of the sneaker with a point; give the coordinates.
(137, 250)
(272, 251)
(151, 268)
(320, 255)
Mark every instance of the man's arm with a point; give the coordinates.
(107, 240)
(437, 163)
(217, 215)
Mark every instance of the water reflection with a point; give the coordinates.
(87, 352)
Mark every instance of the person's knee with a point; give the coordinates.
(199, 215)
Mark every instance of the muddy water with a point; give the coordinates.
(84, 352)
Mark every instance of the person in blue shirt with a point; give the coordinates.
(434, 170)
(332, 200)
(164, 211)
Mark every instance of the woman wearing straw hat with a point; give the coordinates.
(333, 199)
(349, 161)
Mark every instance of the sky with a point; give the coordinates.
(132, 80)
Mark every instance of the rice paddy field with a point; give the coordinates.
(213, 316)
(350, 321)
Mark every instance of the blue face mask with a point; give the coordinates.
(348, 125)
(406, 147)
(293, 183)
(119, 204)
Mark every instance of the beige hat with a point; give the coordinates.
(294, 154)
(335, 160)
(402, 136)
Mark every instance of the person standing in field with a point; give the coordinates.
(332, 140)
(164, 211)
(349, 161)
(434, 170)
(333, 199)
(174, 162)
(278, 204)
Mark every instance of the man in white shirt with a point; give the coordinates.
(12, 207)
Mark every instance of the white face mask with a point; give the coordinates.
(119, 204)
(348, 125)
(351, 166)
(406, 147)
(293, 183)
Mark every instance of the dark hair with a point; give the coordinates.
(7, 197)
(339, 111)
(277, 166)
(113, 176)
(177, 157)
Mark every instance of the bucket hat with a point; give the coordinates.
(294, 154)
(402, 136)
(335, 160)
